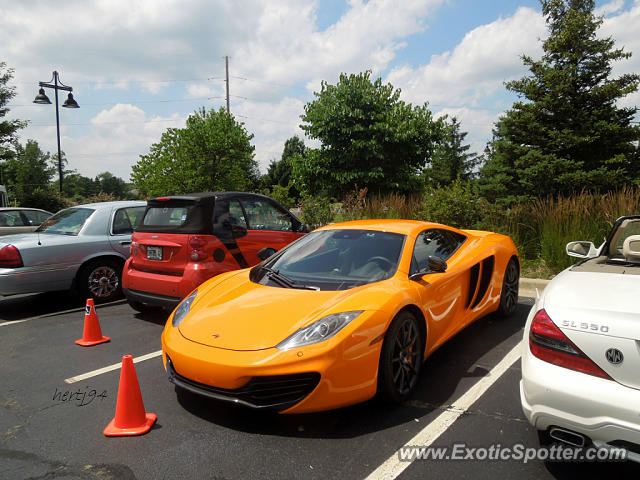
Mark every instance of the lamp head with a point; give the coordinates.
(42, 98)
(70, 102)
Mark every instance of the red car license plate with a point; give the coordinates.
(154, 253)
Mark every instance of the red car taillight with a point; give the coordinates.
(10, 257)
(548, 343)
(197, 244)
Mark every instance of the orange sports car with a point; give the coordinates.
(350, 310)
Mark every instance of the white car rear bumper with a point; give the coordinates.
(603, 410)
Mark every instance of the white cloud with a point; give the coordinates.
(366, 37)
(609, 8)
(623, 28)
(201, 90)
(272, 124)
(109, 45)
(476, 122)
(115, 140)
(115, 49)
(121, 40)
(478, 66)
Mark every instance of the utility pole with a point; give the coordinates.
(226, 63)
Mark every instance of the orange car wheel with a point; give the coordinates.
(509, 294)
(400, 359)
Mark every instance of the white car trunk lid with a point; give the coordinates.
(600, 313)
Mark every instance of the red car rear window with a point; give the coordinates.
(178, 215)
(165, 216)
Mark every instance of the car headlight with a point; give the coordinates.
(183, 309)
(319, 330)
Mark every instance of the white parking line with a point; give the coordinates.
(393, 467)
(62, 312)
(110, 368)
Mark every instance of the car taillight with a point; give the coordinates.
(133, 249)
(10, 257)
(197, 253)
(197, 242)
(548, 343)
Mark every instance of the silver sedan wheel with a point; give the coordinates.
(103, 281)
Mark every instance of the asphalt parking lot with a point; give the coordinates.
(42, 436)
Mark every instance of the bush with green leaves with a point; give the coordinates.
(281, 194)
(44, 198)
(456, 205)
(354, 204)
(316, 211)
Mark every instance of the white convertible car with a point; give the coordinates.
(581, 350)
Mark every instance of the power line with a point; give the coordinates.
(263, 119)
(103, 154)
(125, 102)
(115, 82)
(108, 123)
(262, 81)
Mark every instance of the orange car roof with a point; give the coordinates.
(405, 227)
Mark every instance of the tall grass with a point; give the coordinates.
(392, 206)
(586, 216)
(517, 223)
(540, 229)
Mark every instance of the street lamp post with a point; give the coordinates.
(42, 98)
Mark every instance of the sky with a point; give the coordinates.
(138, 67)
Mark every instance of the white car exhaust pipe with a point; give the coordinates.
(567, 436)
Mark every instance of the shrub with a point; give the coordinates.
(281, 194)
(586, 216)
(100, 197)
(316, 211)
(393, 205)
(45, 199)
(455, 205)
(516, 222)
(354, 203)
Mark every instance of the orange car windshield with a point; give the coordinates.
(333, 260)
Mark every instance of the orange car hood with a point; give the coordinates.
(240, 315)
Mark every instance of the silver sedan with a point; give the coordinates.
(21, 220)
(82, 247)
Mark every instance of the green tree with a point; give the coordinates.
(28, 176)
(213, 152)
(78, 186)
(8, 128)
(28, 169)
(112, 185)
(567, 134)
(451, 159)
(279, 171)
(369, 137)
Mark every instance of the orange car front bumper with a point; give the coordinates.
(332, 374)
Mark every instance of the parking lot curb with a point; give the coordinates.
(528, 286)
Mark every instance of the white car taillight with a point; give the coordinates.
(548, 343)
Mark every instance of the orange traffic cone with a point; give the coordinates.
(130, 419)
(91, 335)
